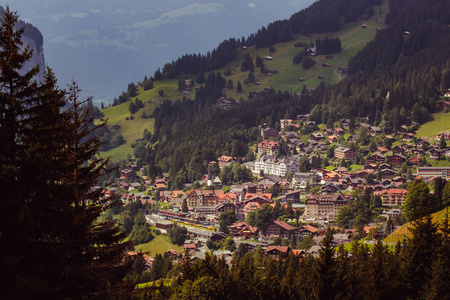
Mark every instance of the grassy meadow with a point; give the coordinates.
(400, 233)
(158, 245)
(440, 123)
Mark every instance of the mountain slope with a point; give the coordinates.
(404, 84)
(33, 38)
(353, 38)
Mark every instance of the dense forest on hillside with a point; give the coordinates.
(398, 72)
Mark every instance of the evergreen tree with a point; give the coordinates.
(132, 108)
(239, 87)
(184, 206)
(132, 90)
(51, 243)
(230, 84)
(148, 84)
(442, 143)
(418, 256)
(418, 201)
(325, 270)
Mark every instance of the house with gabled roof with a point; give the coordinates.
(339, 131)
(225, 160)
(278, 228)
(382, 150)
(278, 252)
(127, 173)
(374, 130)
(397, 150)
(387, 173)
(396, 159)
(374, 159)
(370, 167)
(226, 205)
(317, 136)
(306, 230)
(239, 229)
(267, 148)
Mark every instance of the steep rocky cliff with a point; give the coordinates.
(32, 37)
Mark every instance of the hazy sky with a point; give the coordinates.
(106, 44)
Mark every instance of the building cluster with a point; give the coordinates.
(378, 171)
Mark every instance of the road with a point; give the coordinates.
(339, 64)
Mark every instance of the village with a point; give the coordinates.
(311, 185)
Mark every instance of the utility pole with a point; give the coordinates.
(391, 233)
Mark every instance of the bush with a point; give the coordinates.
(297, 59)
(141, 234)
(307, 63)
(177, 234)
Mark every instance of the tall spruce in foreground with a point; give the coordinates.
(51, 244)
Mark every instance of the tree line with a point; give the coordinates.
(417, 268)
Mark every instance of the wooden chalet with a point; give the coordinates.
(278, 252)
(396, 159)
(278, 229)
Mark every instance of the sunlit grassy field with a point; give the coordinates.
(158, 245)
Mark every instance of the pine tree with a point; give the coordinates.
(184, 206)
(442, 143)
(51, 244)
(325, 270)
(239, 87)
(419, 254)
(18, 105)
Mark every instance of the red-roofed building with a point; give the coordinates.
(278, 252)
(190, 246)
(268, 148)
(243, 229)
(278, 229)
(251, 206)
(225, 161)
(172, 253)
(306, 230)
(393, 197)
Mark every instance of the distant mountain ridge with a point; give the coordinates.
(32, 37)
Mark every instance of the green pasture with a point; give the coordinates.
(158, 245)
(440, 123)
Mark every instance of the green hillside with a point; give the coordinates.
(441, 122)
(158, 245)
(400, 233)
(130, 129)
(353, 39)
(133, 129)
